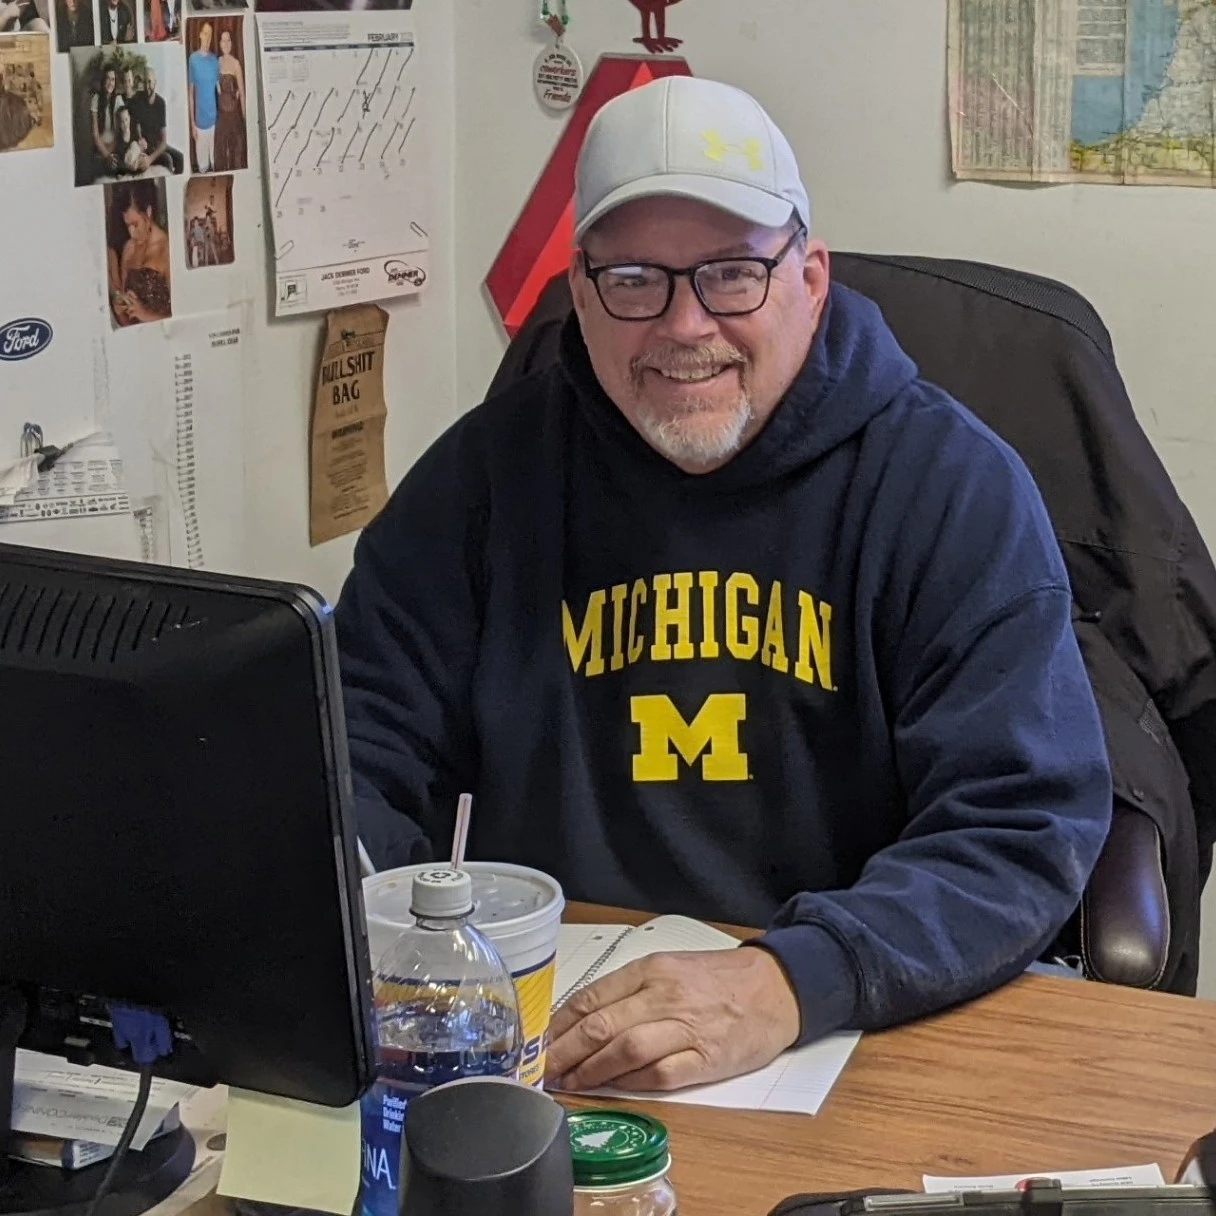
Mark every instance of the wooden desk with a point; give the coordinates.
(1042, 1074)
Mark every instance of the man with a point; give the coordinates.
(117, 24)
(148, 110)
(196, 241)
(203, 71)
(731, 614)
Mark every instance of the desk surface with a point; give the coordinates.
(1042, 1074)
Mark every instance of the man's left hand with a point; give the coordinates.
(672, 1020)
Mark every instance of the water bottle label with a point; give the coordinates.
(383, 1117)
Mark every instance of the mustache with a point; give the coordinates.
(673, 357)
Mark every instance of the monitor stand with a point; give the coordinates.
(143, 1180)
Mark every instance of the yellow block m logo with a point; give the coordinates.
(713, 735)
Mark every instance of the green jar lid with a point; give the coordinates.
(616, 1147)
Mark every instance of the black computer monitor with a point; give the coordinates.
(176, 825)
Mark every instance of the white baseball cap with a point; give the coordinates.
(690, 138)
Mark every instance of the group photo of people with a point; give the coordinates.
(215, 82)
(108, 22)
(208, 219)
(127, 112)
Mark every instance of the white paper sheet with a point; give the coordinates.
(342, 114)
(54, 1098)
(798, 1081)
(1117, 1176)
(179, 413)
(207, 528)
(87, 480)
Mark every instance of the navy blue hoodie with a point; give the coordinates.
(831, 688)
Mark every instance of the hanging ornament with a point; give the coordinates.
(557, 75)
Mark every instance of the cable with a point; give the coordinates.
(149, 1037)
(124, 1143)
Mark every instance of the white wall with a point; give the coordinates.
(859, 87)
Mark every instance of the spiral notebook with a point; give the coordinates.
(798, 1081)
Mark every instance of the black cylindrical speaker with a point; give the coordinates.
(485, 1146)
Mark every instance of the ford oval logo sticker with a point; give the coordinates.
(23, 339)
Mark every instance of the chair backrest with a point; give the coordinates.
(1032, 358)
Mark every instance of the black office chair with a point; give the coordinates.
(1032, 359)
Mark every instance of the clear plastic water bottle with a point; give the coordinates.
(445, 1008)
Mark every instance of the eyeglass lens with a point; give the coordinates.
(732, 286)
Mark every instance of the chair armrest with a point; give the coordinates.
(1125, 914)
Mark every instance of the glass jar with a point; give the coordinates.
(620, 1164)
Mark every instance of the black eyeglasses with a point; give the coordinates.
(726, 287)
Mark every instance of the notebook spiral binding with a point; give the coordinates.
(589, 976)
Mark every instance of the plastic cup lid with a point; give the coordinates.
(614, 1147)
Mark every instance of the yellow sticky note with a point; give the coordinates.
(292, 1153)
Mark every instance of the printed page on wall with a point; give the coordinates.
(347, 482)
(1117, 92)
(182, 431)
(342, 111)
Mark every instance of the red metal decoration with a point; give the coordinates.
(654, 25)
(538, 246)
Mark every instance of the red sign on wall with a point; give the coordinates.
(538, 246)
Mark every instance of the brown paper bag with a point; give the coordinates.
(346, 476)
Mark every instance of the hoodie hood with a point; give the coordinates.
(854, 369)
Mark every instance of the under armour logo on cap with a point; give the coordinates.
(717, 149)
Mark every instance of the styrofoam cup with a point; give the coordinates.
(518, 909)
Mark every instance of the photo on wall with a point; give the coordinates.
(162, 20)
(215, 86)
(332, 6)
(25, 92)
(137, 252)
(75, 24)
(115, 22)
(24, 17)
(128, 112)
(207, 211)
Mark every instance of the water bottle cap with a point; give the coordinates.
(442, 894)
